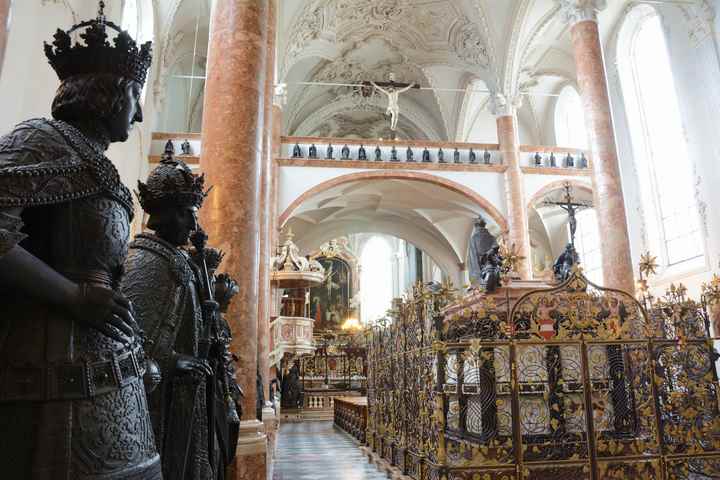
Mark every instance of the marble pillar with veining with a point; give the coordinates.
(508, 139)
(266, 215)
(232, 162)
(608, 196)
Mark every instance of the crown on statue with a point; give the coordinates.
(97, 55)
(171, 185)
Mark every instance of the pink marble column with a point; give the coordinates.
(607, 186)
(266, 237)
(514, 190)
(232, 161)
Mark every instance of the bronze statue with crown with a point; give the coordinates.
(72, 398)
(171, 293)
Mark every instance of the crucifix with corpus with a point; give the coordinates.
(572, 207)
(392, 90)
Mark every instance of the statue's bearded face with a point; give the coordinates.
(175, 225)
(120, 122)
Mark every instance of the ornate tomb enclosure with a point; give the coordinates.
(572, 382)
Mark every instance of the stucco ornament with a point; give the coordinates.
(469, 45)
(502, 106)
(576, 11)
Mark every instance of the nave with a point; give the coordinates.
(320, 451)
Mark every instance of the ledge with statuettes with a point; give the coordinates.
(343, 152)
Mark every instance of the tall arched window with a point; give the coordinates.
(658, 140)
(138, 19)
(570, 120)
(587, 244)
(376, 279)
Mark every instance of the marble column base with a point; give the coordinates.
(270, 420)
(251, 454)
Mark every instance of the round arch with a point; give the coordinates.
(557, 184)
(476, 198)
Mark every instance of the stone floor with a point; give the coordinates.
(319, 451)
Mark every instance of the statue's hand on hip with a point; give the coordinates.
(106, 311)
(187, 364)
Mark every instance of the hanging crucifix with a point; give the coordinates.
(392, 90)
(572, 208)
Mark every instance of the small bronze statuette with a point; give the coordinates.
(487, 158)
(569, 161)
(564, 264)
(362, 154)
(441, 156)
(538, 159)
(553, 162)
(297, 151)
(583, 163)
(426, 156)
(312, 151)
(456, 156)
(169, 148)
(345, 152)
(329, 153)
(473, 156)
(378, 154)
(409, 155)
(393, 155)
(185, 148)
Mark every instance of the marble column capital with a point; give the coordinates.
(576, 11)
(503, 106)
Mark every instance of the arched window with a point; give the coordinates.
(587, 244)
(376, 279)
(137, 20)
(570, 120)
(658, 140)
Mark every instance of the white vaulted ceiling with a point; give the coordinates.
(504, 46)
(434, 218)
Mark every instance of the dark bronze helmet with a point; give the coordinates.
(97, 55)
(171, 185)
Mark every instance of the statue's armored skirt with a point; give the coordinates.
(72, 400)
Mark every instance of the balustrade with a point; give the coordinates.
(350, 415)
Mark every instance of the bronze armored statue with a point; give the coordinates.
(226, 409)
(72, 400)
(481, 241)
(165, 287)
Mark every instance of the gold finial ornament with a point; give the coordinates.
(648, 264)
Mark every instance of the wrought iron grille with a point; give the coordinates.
(575, 382)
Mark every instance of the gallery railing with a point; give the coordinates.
(574, 382)
(418, 152)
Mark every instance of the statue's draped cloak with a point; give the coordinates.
(480, 242)
(72, 401)
(161, 282)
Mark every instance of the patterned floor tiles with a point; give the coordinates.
(319, 451)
